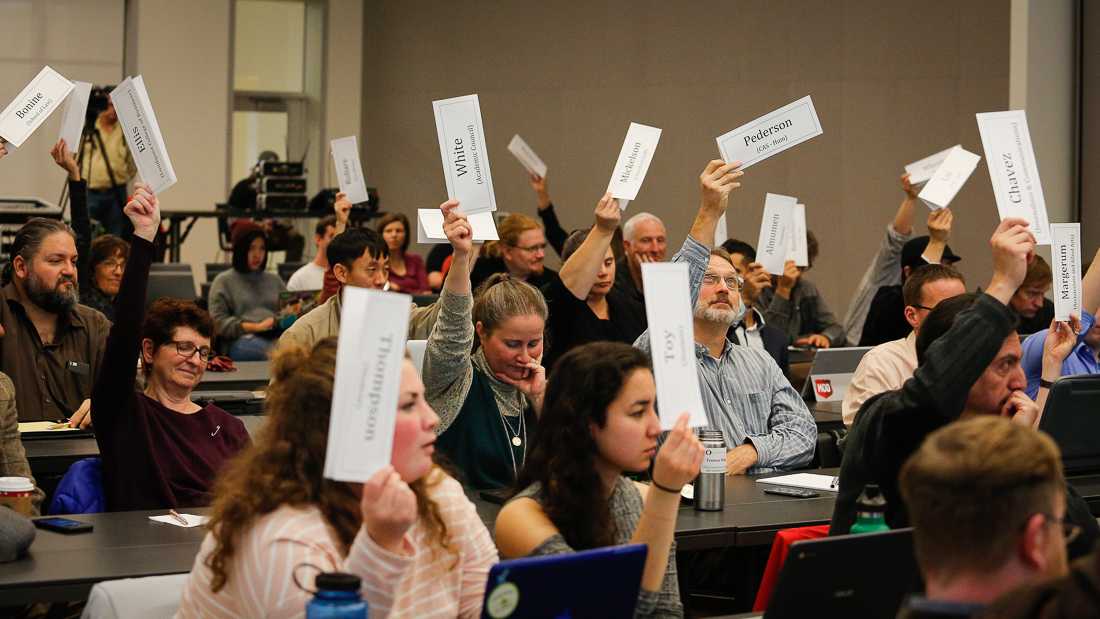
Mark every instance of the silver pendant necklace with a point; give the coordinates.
(515, 440)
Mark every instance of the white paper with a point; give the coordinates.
(349, 170)
(672, 342)
(809, 481)
(773, 245)
(33, 105)
(1065, 253)
(799, 247)
(464, 153)
(373, 328)
(192, 520)
(771, 134)
(949, 178)
(429, 227)
(143, 135)
(72, 115)
(526, 157)
(920, 172)
(721, 231)
(1013, 171)
(633, 163)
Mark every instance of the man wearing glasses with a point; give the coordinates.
(988, 509)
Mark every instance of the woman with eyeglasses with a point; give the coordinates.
(519, 253)
(159, 449)
(105, 268)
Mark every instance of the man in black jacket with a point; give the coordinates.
(752, 330)
(968, 364)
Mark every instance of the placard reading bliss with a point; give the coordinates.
(465, 156)
(33, 106)
(771, 134)
(143, 136)
(1065, 253)
(633, 163)
(349, 171)
(371, 350)
(1012, 170)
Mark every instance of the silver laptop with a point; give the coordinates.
(831, 372)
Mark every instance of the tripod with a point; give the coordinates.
(90, 140)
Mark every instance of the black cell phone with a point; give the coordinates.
(63, 525)
(798, 493)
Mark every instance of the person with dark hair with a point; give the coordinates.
(281, 235)
(583, 303)
(488, 402)
(887, 366)
(311, 276)
(245, 299)
(108, 167)
(794, 305)
(599, 422)
(1030, 302)
(407, 272)
(751, 330)
(105, 266)
(159, 449)
(968, 363)
(409, 533)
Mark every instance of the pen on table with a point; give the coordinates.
(180, 519)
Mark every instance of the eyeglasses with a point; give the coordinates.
(532, 248)
(923, 307)
(1069, 530)
(187, 349)
(733, 282)
(114, 264)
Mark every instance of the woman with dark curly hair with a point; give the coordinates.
(598, 422)
(409, 533)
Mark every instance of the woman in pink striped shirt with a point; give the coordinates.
(409, 533)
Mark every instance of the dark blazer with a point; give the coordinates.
(775, 342)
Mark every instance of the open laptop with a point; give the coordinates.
(866, 575)
(831, 372)
(603, 582)
(294, 305)
(1072, 419)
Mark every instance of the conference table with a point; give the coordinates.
(250, 376)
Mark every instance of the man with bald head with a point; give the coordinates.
(644, 240)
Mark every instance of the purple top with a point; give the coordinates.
(415, 279)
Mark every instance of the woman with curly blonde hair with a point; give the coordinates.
(409, 533)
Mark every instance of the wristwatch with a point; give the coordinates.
(1045, 383)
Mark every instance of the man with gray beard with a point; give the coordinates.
(51, 346)
(766, 425)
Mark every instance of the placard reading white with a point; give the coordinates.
(672, 342)
(465, 156)
(921, 171)
(371, 349)
(773, 246)
(1013, 171)
(771, 134)
(33, 105)
(949, 178)
(429, 227)
(349, 170)
(799, 248)
(633, 163)
(1065, 253)
(72, 115)
(143, 136)
(527, 157)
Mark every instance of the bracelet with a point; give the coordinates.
(1045, 383)
(665, 488)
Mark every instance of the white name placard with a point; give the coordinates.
(143, 136)
(771, 134)
(33, 105)
(672, 342)
(72, 115)
(920, 172)
(429, 227)
(1012, 170)
(721, 231)
(1065, 253)
(799, 248)
(949, 178)
(371, 350)
(633, 163)
(526, 156)
(465, 154)
(774, 246)
(349, 170)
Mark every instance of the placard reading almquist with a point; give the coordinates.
(1065, 253)
(1013, 171)
(33, 105)
(464, 153)
(143, 136)
(771, 134)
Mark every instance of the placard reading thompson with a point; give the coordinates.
(465, 156)
(774, 245)
(143, 136)
(771, 134)
(1013, 171)
(371, 349)
(31, 107)
(1065, 251)
(633, 163)
(672, 342)
(429, 227)
(349, 171)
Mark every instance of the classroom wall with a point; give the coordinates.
(891, 84)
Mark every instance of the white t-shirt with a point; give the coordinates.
(309, 277)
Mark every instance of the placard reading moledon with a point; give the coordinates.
(1013, 171)
(33, 105)
(464, 153)
(771, 134)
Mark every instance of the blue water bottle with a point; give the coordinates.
(337, 597)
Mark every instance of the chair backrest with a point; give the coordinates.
(170, 284)
(80, 490)
(1070, 419)
(153, 597)
(214, 268)
(161, 267)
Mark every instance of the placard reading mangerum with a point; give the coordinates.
(143, 136)
(1013, 171)
(1065, 253)
(464, 153)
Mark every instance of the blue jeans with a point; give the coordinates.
(105, 206)
(250, 347)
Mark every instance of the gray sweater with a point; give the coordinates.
(243, 297)
(16, 534)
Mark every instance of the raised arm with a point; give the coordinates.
(78, 201)
(555, 234)
(939, 230)
(903, 219)
(580, 271)
(342, 209)
(1090, 287)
